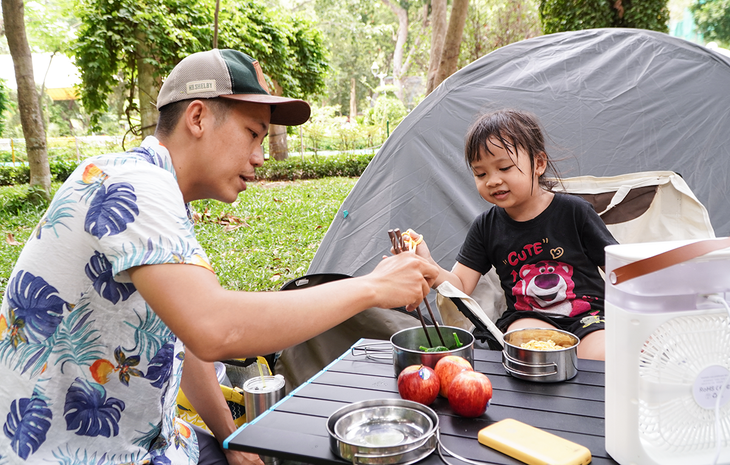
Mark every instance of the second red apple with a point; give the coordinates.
(447, 368)
(470, 393)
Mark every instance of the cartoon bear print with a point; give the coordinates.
(547, 286)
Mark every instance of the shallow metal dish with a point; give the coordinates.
(383, 432)
(544, 366)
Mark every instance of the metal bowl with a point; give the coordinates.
(383, 431)
(406, 345)
(544, 366)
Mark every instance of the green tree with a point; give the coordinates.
(713, 20)
(119, 39)
(31, 116)
(492, 24)
(358, 34)
(573, 15)
(388, 109)
(4, 104)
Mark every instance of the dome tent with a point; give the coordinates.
(612, 101)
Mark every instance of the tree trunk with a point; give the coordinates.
(31, 118)
(353, 100)
(452, 43)
(438, 34)
(400, 44)
(277, 134)
(147, 87)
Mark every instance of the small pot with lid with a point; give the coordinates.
(541, 355)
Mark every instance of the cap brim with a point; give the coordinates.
(288, 111)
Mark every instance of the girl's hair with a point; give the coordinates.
(512, 129)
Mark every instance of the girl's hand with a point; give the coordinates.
(415, 242)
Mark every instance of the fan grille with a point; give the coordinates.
(670, 361)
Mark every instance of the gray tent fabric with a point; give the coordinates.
(612, 101)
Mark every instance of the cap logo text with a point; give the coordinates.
(196, 87)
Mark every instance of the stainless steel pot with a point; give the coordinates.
(544, 366)
(405, 347)
(383, 432)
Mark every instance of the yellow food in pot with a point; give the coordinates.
(541, 345)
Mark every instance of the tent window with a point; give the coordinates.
(636, 203)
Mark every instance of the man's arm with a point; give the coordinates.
(200, 385)
(217, 324)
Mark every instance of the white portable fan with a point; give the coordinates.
(668, 353)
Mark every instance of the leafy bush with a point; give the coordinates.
(713, 19)
(62, 169)
(21, 199)
(13, 175)
(388, 108)
(346, 165)
(570, 15)
(20, 174)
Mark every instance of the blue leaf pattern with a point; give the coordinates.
(36, 304)
(99, 271)
(27, 424)
(111, 210)
(148, 155)
(61, 208)
(89, 412)
(160, 366)
(160, 460)
(59, 328)
(147, 437)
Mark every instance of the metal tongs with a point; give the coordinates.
(398, 246)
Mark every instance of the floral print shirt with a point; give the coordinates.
(88, 372)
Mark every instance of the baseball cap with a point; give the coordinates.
(228, 74)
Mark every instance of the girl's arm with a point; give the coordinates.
(462, 277)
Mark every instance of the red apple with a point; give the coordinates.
(447, 368)
(470, 393)
(418, 383)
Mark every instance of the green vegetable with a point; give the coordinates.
(434, 349)
(455, 346)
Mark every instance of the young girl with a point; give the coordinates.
(546, 247)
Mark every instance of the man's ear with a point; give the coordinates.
(195, 117)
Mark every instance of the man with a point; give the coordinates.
(113, 291)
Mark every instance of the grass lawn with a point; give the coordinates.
(265, 238)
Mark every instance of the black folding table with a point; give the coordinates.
(295, 428)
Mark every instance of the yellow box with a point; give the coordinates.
(532, 445)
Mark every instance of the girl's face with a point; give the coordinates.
(508, 181)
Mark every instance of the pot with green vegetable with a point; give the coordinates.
(411, 347)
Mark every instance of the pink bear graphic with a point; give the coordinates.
(547, 286)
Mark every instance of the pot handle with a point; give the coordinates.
(506, 358)
(667, 259)
(373, 351)
(415, 446)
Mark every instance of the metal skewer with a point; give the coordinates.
(396, 240)
(401, 245)
(435, 323)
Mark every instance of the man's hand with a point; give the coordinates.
(403, 280)
(235, 457)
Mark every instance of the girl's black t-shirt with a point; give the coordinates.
(548, 264)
